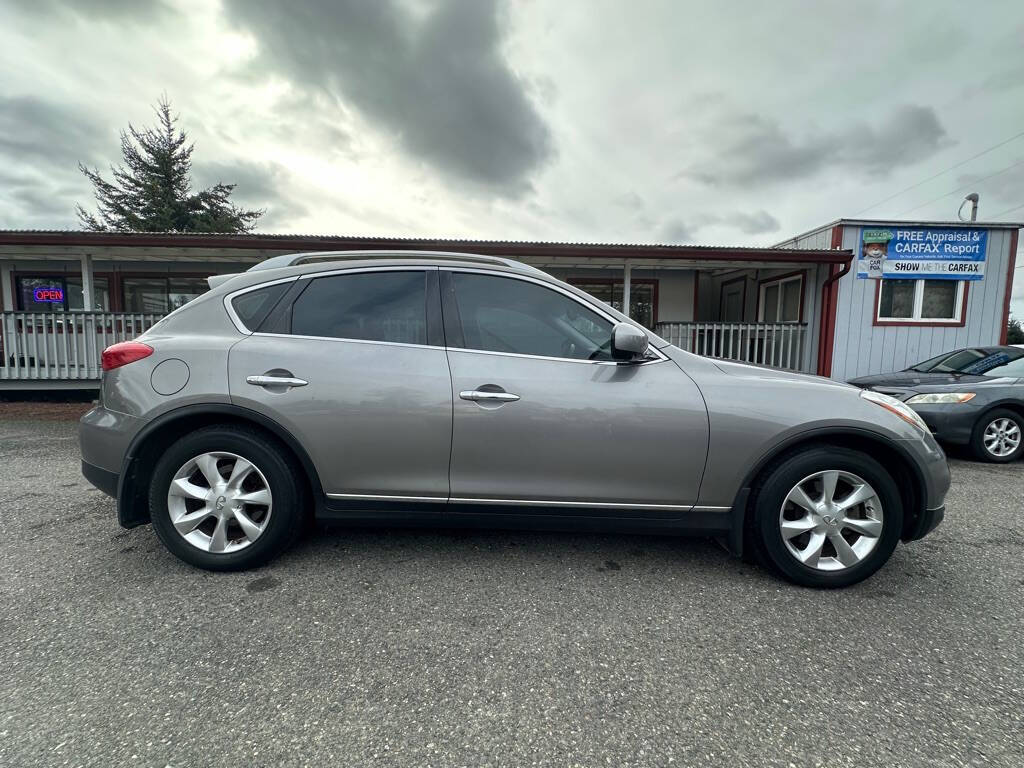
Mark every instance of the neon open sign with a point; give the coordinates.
(48, 295)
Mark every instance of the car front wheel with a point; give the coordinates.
(225, 498)
(997, 436)
(826, 517)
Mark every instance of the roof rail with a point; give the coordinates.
(293, 259)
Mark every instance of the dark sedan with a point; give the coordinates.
(972, 396)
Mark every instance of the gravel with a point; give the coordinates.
(449, 648)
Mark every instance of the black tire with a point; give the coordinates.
(978, 436)
(769, 495)
(286, 519)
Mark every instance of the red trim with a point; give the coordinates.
(830, 307)
(576, 280)
(1009, 286)
(743, 300)
(512, 249)
(930, 324)
(778, 279)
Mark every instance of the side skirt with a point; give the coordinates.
(714, 522)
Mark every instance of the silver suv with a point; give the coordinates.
(451, 389)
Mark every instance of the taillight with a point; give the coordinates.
(123, 353)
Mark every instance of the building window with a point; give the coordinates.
(643, 296)
(920, 301)
(780, 300)
(159, 295)
(59, 294)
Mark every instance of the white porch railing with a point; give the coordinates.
(62, 346)
(777, 345)
(66, 346)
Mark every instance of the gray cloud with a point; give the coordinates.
(1006, 184)
(41, 145)
(631, 201)
(259, 185)
(674, 230)
(757, 223)
(42, 134)
(118, 10)
(751, 149)
(28, 199)
(439, 84)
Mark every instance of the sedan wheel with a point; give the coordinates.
(219, 502)
(1002, 437)
(831, 520)
(998, 436)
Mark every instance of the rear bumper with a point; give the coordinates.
(103, 479)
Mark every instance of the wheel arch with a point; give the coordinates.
(146, 446)
(888, 452)
(1017, 406)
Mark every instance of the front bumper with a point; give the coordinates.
(933, 471)
(926, 522)
(949, 422)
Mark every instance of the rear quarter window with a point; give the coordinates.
(253, 306)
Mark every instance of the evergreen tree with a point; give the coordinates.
(152, 190)
(1014, 332)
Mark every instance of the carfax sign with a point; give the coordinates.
(922, 253)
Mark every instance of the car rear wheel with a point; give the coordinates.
(226, 498)
(997, 436)
(826, 517)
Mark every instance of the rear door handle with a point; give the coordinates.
(481, 395)
(276, 381)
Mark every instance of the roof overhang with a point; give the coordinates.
(255, 247)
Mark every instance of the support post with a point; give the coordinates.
(5, 284)
(627, 270)
(87, 286)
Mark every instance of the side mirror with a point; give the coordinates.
(628, 342)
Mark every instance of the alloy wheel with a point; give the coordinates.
(1002, 437)
(831, 520)
(219, 502)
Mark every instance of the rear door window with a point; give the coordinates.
(386, 306)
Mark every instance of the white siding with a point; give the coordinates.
(862, 348)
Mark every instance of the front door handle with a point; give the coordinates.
(482, 395)
(276, 381)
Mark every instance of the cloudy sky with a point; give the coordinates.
(738, 122)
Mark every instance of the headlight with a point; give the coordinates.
(895, 406)
(941, 397)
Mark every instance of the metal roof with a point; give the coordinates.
(509, 248)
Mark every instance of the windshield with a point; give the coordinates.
(971, 361)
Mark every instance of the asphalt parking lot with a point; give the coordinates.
(494, 648)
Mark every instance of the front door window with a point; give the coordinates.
(502, 314)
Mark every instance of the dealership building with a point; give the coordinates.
(850, 298)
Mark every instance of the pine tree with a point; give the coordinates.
(152, 190)
(1014, 332)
